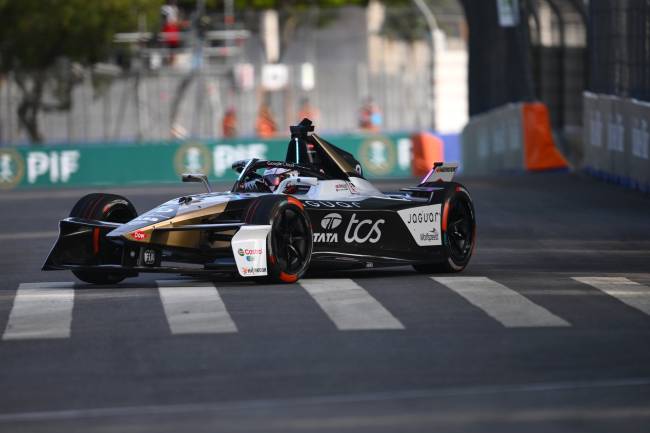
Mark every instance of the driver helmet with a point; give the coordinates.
(274, 176)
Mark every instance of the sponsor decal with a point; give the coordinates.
(405, 153)
(418, 216)
(149, 257)
(445, 169)
(60, 166)
(640, 138)
(331, 221)
(249, 250)
(333, 204)
(357, 230)
(326, 238)
(615, 133)
(249, 270)
(139, 235)
(192, 158)
(280, 164)
(224, 155)
(423, 223)
(353, 188)
(12, 168)
(378, 155)
(155, 215)
(430, 236)
(362, 231)
(249, 253)
(147, 219)
(341, 187)
(596, 129)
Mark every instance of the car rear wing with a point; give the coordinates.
(441, 172)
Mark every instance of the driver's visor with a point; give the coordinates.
(272, 179)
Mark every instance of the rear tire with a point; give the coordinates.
(103, 207)
(458, 233)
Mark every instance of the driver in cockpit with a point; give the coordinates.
(270, 180)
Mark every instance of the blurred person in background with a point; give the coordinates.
(170, 28)
(229, 123)
(370, 117)
(307, 111)
(265, 125)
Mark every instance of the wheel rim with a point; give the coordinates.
(460, 229)
(290, 240)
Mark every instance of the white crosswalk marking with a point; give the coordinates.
(348, 305)
(503, 304)
(194, 308)
(631, 293)
(41, 310)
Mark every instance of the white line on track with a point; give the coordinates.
(41, 310)
(629, 292)
(348, 305)
(194, 308)
(506, 306)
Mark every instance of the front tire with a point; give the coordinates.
(103, 207)
(458, 233)
(290, 241)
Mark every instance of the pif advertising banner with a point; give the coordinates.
(382, 156)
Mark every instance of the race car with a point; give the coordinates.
(313, 210)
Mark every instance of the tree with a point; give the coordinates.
(292, 14)
(405, 22)
(44, 42)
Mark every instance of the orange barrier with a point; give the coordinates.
(427, 149)
(513, 137)
(540, 152)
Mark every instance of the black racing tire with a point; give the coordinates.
(458, 232)
(290, 241)
(103, 207)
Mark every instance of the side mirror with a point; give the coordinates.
(197, 177)
(238, 166)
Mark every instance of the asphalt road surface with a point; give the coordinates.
(547, 330)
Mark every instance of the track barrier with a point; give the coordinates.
(121, 164)
(617, 140)
(515, 137)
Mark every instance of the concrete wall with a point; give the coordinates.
(617, 139)
(493, 141)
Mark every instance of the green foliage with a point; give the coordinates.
(34, 33)
(300, 4)
(404, 21)
(42, 40)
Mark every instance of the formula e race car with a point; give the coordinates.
(312, 210)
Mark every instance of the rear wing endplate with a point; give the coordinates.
(441, 172)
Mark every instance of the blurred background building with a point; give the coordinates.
(75, 72)
(179, 75)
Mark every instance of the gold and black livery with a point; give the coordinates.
(324, 213)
